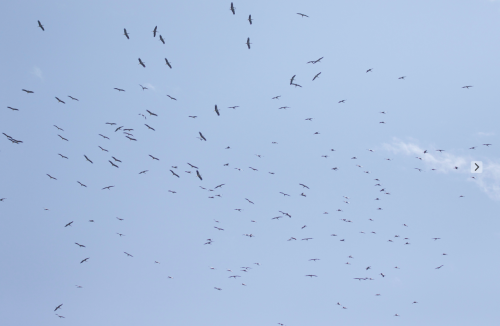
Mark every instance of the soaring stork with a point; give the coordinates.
(41, 26)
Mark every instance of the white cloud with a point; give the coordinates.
(444, 162)
(37, 72)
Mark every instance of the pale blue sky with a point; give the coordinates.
(440, 46)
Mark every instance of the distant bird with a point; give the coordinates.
(13, 109)
(342, 101)
(168, 63)
(439, 267)
(108, 187)
(198, 174)
(248, 43)
(302, 15)
(154, 31)
(162, 40)
(113, 164)
(440, 150)
(276, 97)
(369, 70)
(487, 145)
(142, 63)
(149, 127)
(88, 159)
(291, 80)
(467, 87)
(59, 306)
(316, 75)
(201, 135)
(69, 224)
(120, 90)
(27, 91)
(194, 167)
(103, 149)
(250, 19)
(175, 174)
(74, 99)
(114, 158)
(143, 88)
(216, 110)
(151, 113)
(402, 77)
(192, 116)
(232, 8)
(233, 107)
(63, 138)
(311, 276)
(154, 158)
(57, 98)
(142, 172)
(125, 33)
(172, 98)
(41, 26)
(51, 177)
(80, 245)
(303, 185)
(85, 260)
(126, 253)
(81, 184)
(103, 136)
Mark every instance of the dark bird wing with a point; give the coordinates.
(41, 26)
(198, 174)
(168, 63)
(216, 110)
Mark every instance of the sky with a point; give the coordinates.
(375, 189)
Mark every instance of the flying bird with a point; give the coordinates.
(369, 70)
(63, 138)
(41, 26)
(63, 156)
(232, 8)
(69, 224)
(103, 136)
(149, 127)
(74, 99)
(108, 187)
(467, 87)
(51, 177)
(113, 164)
(302, 15)
(125, 33)
(151, 113)
(175, 174)
(27, 91)
(88, 159)
(316, 76)
(13, 109)
(154, 158)
(216, 110)
(168, 63)
(198, 174)
(202, 136)
(81, 184)
(114, 158)
(120, 90)
(142, 63)
(250, 19)
(84, 260)
(128, 254)
(154, 31)
(59, 306)
(291, 80)
(172, 98)
(162, 40)
(57, 98)
(248, 43)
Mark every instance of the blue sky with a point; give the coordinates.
(439, 46)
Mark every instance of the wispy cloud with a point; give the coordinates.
(444, 162)
(37, 72)
(485, 133)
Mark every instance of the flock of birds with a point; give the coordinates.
(127, 132)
